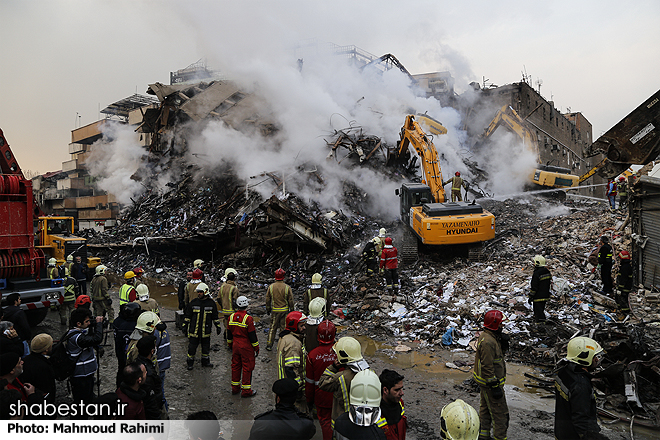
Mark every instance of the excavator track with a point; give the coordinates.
(477, 253)
(409, 247)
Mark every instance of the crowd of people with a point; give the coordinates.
(319, 376)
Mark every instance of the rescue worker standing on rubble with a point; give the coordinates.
(291, 355)
(382, 235)
(539, 292)
(337, 377)
(389, 262)
(605, 264)
(101, 300)
(490, 374)
(242, 339)
(127, 292)
(227, 296)
(611, 193)
(146, 303)
(316, 290)
(317, 361)
(624, 282)
(198, 317)
(69, 263)
(279, 302)
(575, 402)
(370, 255)
(316, 316)
(393, 414)
(456, 184)
(622, 188)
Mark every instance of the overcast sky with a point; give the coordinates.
(61, 61)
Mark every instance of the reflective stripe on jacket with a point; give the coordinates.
(279, 297)
(127, 294)
(489, 366)
(227, 297)
(291, 355)
(389, 258)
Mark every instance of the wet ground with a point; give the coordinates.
(429, 384)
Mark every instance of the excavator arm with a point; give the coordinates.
(508, 118)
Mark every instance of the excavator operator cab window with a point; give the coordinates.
(62, 226)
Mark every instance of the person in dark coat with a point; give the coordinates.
(283, 422)
(9, 340)
(15, 314)
(624, 282)
(79, 272)
(605, 264)
(130, 392)
(37, 368)
(122, 328)
(153, 402)
(539, 292)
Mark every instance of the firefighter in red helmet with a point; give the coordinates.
(318, 360)
(279, 302)
(456, 183)
(291, 354)
(389, 263)
(490, 374)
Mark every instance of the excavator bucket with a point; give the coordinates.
(633, 140)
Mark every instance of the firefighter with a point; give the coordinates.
(52, 270)
(393, 414)
(138, 271)
(83, 301)
(181, 292)
(316, 313)
(624, 282)
(490, 374)
(145, 325)
(127, 292)
(370, 255)
(279, 302)
(539, 292)
(389, 263)
(146, 303)
(382, 235)
(316, 290)
(361, 422)
(575, 402)
(69, 263)
(242, 338)
(200, 313)
(605, 264)
(338, 376)
(122, 329)
(622, 188)
(291, 354)
(70, 290)
(227, 297)
(102, 302)
(456, 184)
(317, 361)
(458, 420)
(190, 292)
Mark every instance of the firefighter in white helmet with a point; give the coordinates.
(146, 303)
(317, 312)
(101, 300)
(459, 421)
(200, 313)
(316, 290)
(361, 420)
(227, 296)
(146, 324)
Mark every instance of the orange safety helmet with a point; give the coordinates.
(624, 255)
(279, 274)
(493, 319)
(197, 274)
(388, 241)
(82, 301)
(458, 174)
(293, 319)
(326, 332)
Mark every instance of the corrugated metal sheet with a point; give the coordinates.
(646, 224)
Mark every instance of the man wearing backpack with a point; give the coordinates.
(84, 335)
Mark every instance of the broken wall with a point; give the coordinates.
(645, 220)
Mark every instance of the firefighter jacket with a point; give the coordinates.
(191, 291)
(540, 288)
(575, 403)
(150, 305)
(70, 288)
(624, 281)
(80, 347)
(345, 429)
(370, 252)
(227, 297)
(623, 189)
(282, 423)
(317, 361)
(388, 258)
(605, 255)
(489, 366)
(99, 286)
(241, 331)
(393, 420)
(279, 298)
(53, 272)
(198, 317)
(338, 382)
(315, 291)
(291, 358)
(456, 183)
(127, 294)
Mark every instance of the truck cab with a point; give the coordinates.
(55, 237)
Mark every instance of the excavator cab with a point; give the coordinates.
(412, 194)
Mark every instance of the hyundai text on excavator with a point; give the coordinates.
(423, 206)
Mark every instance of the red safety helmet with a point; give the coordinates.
(197, 274)
(493, 319)
(388, 241)
(82, 300)
(458, 174)
(138, 271)
(293, 319)
(621, 179)
(624, 255)
(279, 274)
(326, 332)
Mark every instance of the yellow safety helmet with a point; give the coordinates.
(198, 263)
(382, 232)
(69, 258)
(129, 275)
(348, 349)
(202, 287)
(147, 322)
(316, 278)
(52, 262)
(230, 270)
(459, 421)
(582, 350)
(539, 261)
(376, 241)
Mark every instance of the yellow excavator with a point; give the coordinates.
(544, 176)
(423, 206)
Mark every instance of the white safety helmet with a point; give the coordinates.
(382, 232)
(242, 302)
(365, 398)
(147, 322)
(231, 270)
(142, 292)
(52, 262)
(69, 258)
(459, 421)
(316, 311)
(539, 261)
(100, 269)
(348, 349)
(583, 350)
(202, 287)
(316, 278)
(198, 263)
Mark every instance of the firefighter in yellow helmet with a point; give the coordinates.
(575, 403)
(227, 296)
(539, 292)
(70, 293)
(127, 292)
(459, 421)
(52, 270)
(101, 300)
(316, 290)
